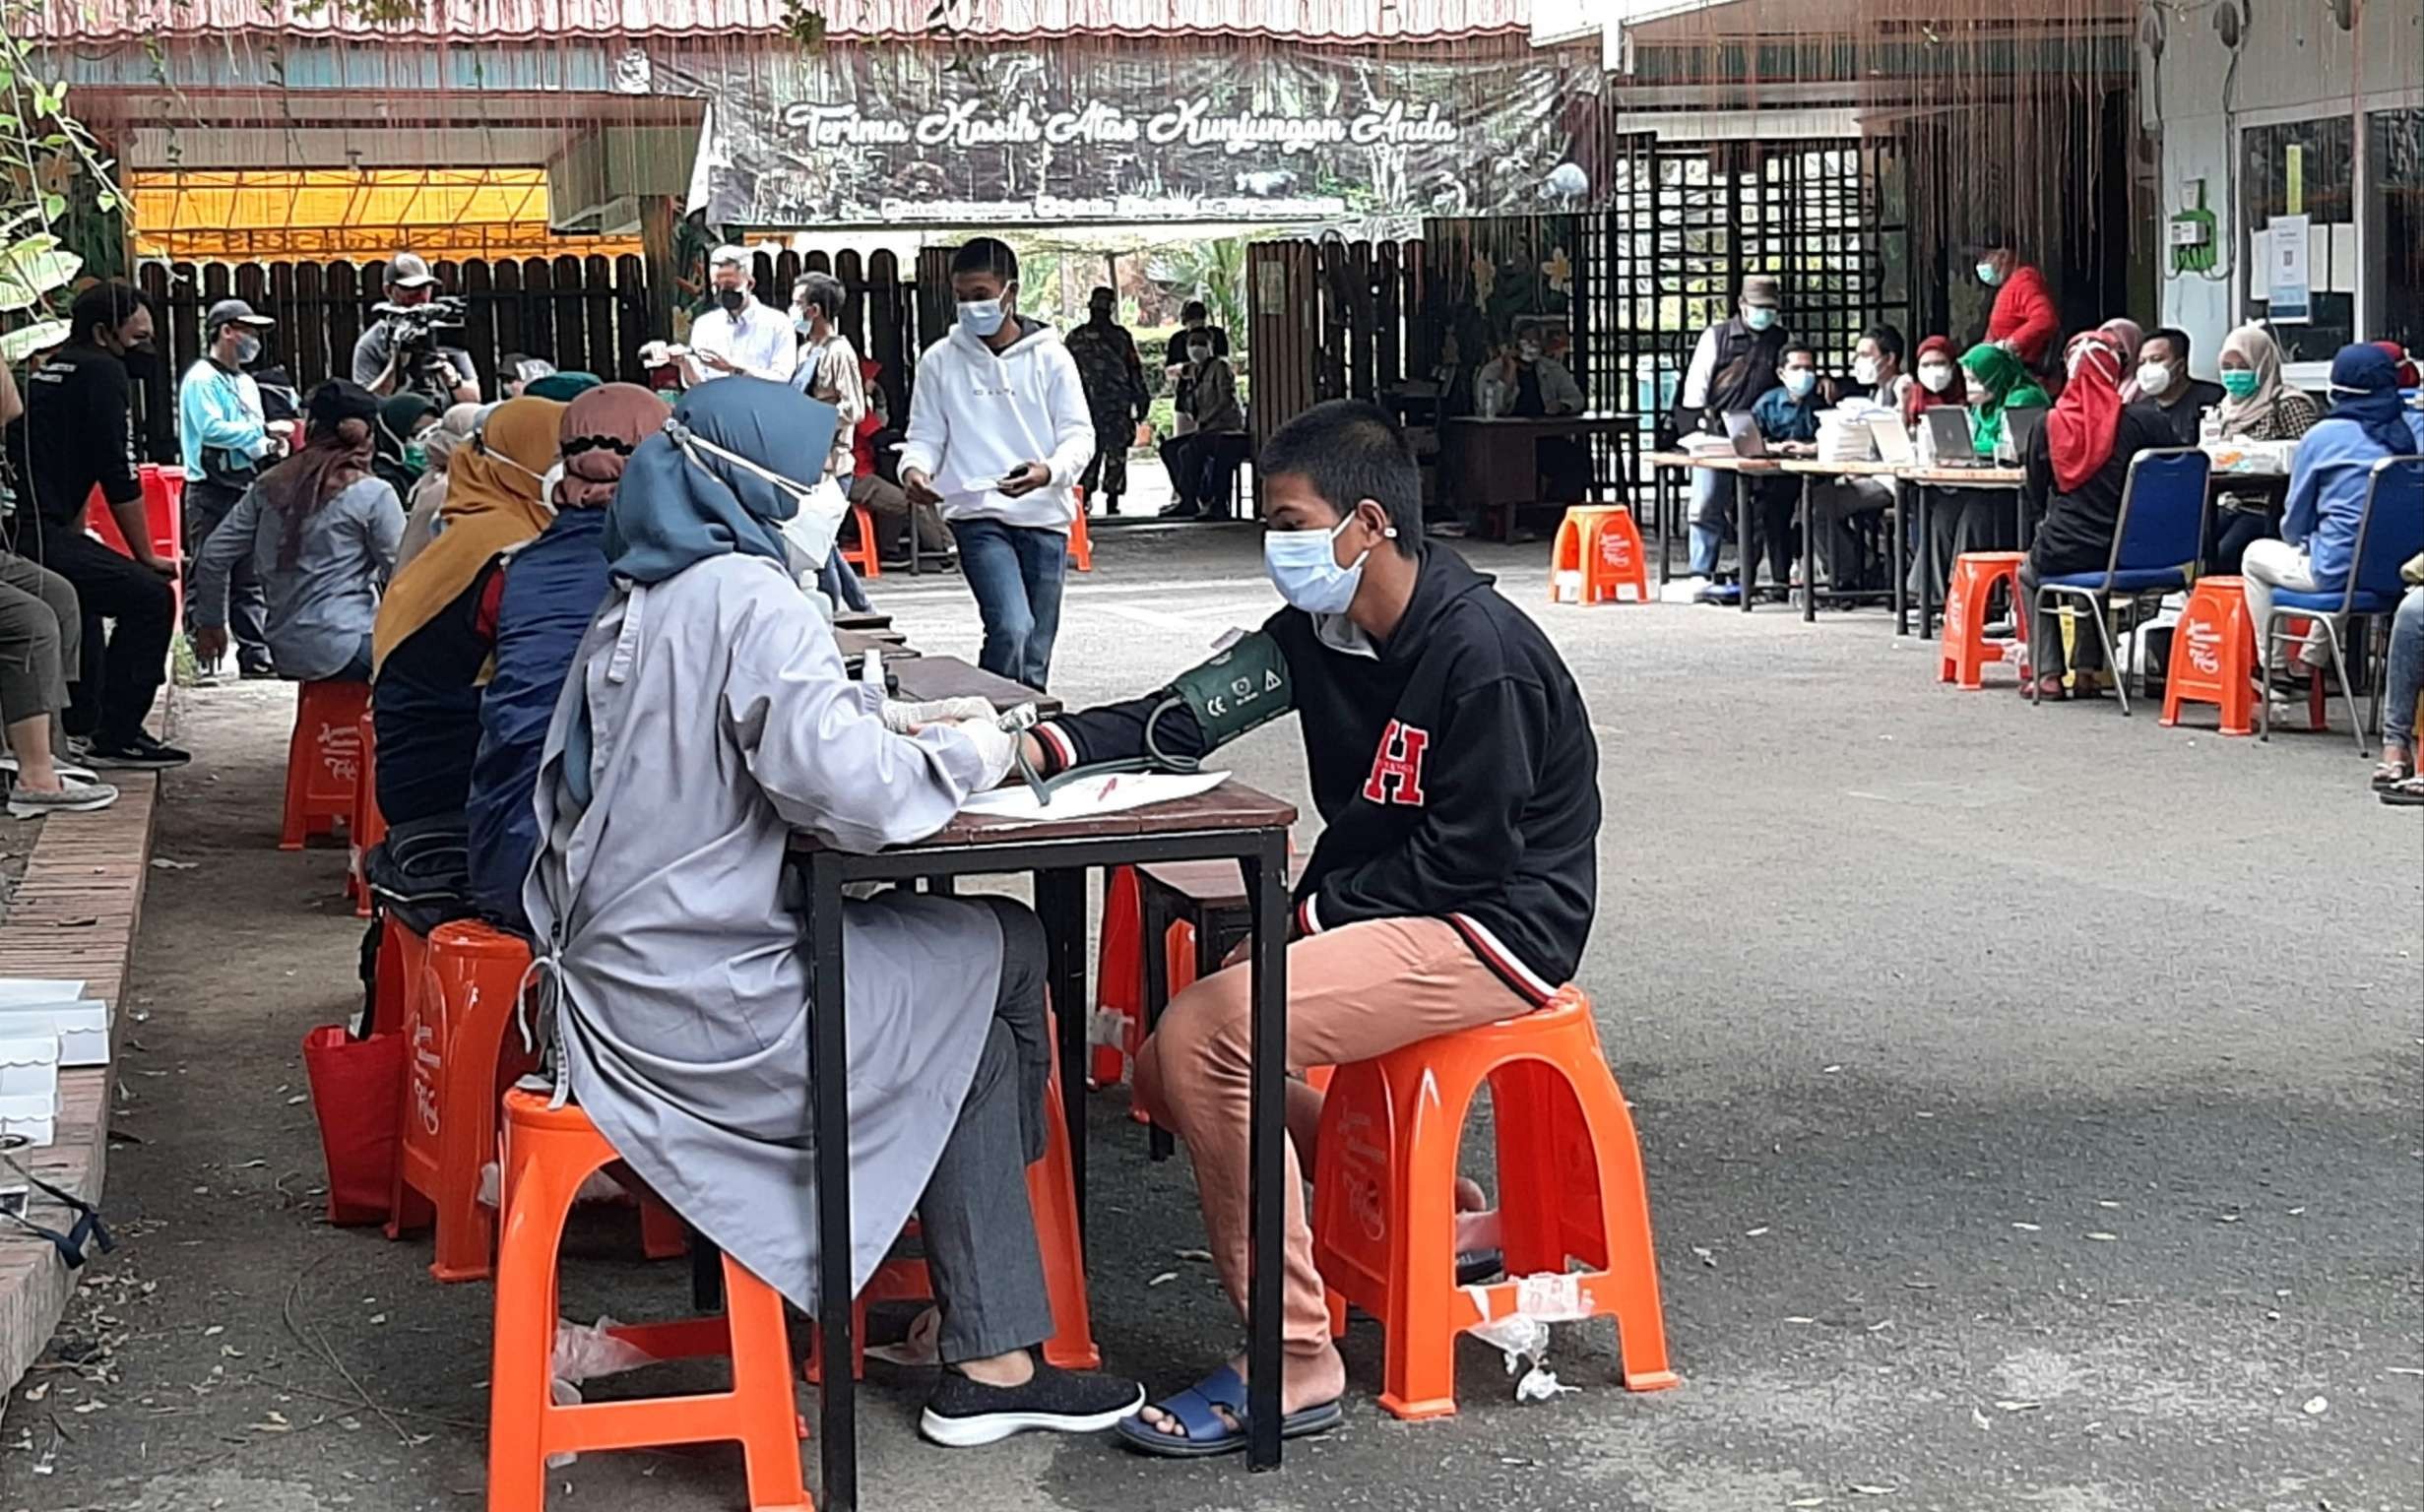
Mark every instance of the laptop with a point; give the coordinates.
(1949, 438)
(1744, 432)
(2020, 424)
(1894, 443)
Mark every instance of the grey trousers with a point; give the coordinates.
(41, 634)
(979, 1230)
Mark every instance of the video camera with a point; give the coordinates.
(413, 332)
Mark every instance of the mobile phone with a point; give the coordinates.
(1015, 475)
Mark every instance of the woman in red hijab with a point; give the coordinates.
(1938, 368)
(2077, 463)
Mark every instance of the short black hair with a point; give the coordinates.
(1194, 308)
(1888, 340)
(113, 302)
(1785, 354)
(1529, 325)
(1350, 450)
(1103, 292)
(2178, 338)
(821, 292)
(986, 254)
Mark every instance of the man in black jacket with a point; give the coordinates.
(78, 436)
(1453, 761)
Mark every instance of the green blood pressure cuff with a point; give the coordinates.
(1244, 687)
(1239, 690)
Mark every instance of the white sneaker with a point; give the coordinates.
(73, 798)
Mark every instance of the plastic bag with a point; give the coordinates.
(584, 1352)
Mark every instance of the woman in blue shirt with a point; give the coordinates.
(2327, 485)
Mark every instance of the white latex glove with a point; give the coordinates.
(995, 746)
(902, 718)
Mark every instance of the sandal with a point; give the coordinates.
(1207, 1433)
(2390, 772)
(2406, 794)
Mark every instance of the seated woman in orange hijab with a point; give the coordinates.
(430, 645)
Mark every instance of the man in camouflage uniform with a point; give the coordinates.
(1115, 380)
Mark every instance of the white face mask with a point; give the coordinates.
(1865, 370)
(813, 527)
(1529, 351)
(2153, 377)
(1937, 377)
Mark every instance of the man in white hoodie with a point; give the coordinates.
(998, 430)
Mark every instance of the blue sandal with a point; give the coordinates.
(1207, 1433)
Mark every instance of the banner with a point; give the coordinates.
(1194, 131)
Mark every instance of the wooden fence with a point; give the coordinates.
(583, 313)
(1334, 319)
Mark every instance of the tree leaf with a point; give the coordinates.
(25, 341)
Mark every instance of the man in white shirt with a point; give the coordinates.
(998, 430)
(739, 335)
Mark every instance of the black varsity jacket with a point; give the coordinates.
(1455, 769)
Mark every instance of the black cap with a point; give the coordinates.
(340, 400)
(1993, 238)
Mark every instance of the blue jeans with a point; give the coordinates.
(2406, 672)
(1015, 571)
(1712, 505)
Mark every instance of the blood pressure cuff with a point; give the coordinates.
(1172, 729)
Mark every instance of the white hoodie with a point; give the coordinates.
(974, 416)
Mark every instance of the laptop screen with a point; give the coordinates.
(1744, 432)
(1948, 428)
(2020, 422)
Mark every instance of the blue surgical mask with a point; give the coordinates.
(1798, 381)
(983, 317)
(802, 325)
(1304, 567)
(1758, 317)
(1989, 274)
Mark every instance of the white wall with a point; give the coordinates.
(2294, 63)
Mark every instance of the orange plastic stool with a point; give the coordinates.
(863, 555)
(1602, 544)
(164, 516)
(366, 828)
(1570, 1185)
(1082, 545)
(1052, 1195)
(324, 760)
(2213, 656)
(549, 1154)
(463, 1054)
(1966, 650)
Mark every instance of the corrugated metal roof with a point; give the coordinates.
(1343, 22)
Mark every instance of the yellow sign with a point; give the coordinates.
(2293, 161)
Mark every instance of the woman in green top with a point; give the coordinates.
(1997, 380)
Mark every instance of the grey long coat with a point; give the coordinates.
(721, 723)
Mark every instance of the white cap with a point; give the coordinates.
(730, 256)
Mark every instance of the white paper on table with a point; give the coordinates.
(1089, 796)
(19, 991)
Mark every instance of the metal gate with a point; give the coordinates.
(1689, 220)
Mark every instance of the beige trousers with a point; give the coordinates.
(1352, 993)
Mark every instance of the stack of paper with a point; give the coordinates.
(36, 1005)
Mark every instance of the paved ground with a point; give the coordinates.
(2031, 1103)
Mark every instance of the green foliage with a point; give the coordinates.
(1211, 271)
(48, 160)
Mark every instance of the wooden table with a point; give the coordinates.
(1808, 467)
(924, 679)
(1746, 518)
(1925, 482)
(1233, 821)
(1498, 456)
(890, 644)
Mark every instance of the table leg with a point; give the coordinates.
(1060, 902)
(829, 1098)
(1927, 561)
(1154, 917)
(1745, 525)
(1900, 586)
(1661, 479)
(1266, 884)
(1809, 556)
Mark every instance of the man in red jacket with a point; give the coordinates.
(2023, 321)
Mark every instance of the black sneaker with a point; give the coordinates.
(964, 1414)
(137, 751)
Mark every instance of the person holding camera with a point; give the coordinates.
(399, 353)
(227, 442)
